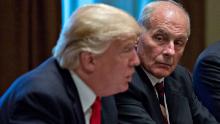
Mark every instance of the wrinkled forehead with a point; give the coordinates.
(127, 38)
(171, 17)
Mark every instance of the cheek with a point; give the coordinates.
(177, 57)
(117, 65)
(121, 67)
(149, 54)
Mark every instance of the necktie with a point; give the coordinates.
(96, 112)
(160, 91)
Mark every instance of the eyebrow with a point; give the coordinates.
(161, 31)
(167, 33)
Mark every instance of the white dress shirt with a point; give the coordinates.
(86, 95)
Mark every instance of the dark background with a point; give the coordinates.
(29, 30)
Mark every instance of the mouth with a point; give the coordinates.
(129, 78)
(130, 75)
(165, 65)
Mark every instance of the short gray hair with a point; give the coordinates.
(91, 28)
(145, 16)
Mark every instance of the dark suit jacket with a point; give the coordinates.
(139, 105)
(48, 95)
(206, 78)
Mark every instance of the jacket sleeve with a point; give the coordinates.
(30, 108)
(200, 114)
(206, 83)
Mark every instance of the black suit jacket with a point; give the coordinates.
(206, 78)
(139, 105)
(48, 95)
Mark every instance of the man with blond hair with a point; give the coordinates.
(93, 59)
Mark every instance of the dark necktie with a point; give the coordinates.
(160, 91)
(96, 112)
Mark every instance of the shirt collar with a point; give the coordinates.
(152, 78)
(86, 95)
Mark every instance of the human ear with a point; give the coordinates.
(87, 61)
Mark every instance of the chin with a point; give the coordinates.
(161, 75)
(119, 90)
(124, 88)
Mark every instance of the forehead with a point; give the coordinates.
(171, 18)
(124, 43)
(129, 38)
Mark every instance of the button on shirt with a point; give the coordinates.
(86, 95)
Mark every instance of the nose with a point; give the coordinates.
(135, 61)
(170, 49)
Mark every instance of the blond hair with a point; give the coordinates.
(92, 28)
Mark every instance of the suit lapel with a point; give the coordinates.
(109, 111)
(177, 103)
(151, 102)
(73, 94)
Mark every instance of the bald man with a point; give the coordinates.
(161, 90)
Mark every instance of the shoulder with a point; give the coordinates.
(43, 78)
(43, 81)
(180, 73)
(210, 53)
(180, 80)
(207, 63)
(45, 91)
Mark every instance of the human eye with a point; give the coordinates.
(160, 37)
(180, 42)
(129, 48)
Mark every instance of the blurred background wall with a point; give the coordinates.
(29, 30)
(212, 21)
